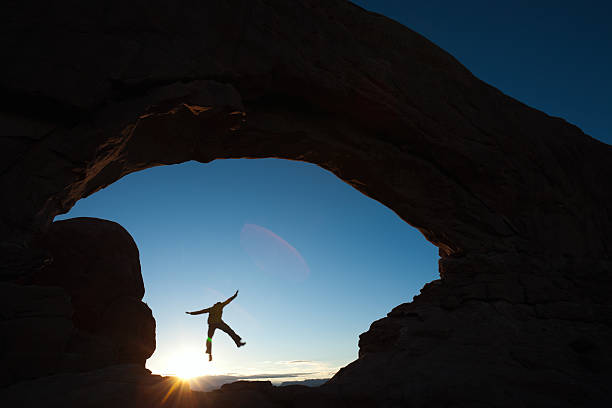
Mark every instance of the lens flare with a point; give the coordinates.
(273, 254)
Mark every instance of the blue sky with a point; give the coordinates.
(316, 261)
(202, 232)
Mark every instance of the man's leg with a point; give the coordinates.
(211, 332)
(237, 339)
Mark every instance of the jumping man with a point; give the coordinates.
(215, 322)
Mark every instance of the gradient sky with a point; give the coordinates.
(316, 261)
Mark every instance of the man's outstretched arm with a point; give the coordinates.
(230, 299)
(197, 312)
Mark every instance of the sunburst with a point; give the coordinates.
(188, 363)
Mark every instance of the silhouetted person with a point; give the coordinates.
(214, 322)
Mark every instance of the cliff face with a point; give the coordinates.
(517, 201)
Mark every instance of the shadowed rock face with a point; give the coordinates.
(517, 201)
(85, 309)
(96, 261)
(36, 327)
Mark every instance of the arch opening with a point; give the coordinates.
(205, 229)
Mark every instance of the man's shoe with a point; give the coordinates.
(241, 343)
(210, 357)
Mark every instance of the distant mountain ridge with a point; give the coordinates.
(315, 382)
(212, 382)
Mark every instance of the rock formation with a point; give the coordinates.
(96, 262)
(126, 385)
(82, 311)
(517, 201)
(36, 326)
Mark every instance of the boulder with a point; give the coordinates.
(129, 323)
(96, 262)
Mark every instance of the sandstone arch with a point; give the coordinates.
(517, 201)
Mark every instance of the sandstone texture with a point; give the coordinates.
(517, 201)
(97, 263)
(83, 310)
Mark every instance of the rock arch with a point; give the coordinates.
(517, 201)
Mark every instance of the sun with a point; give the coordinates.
(188, 363)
